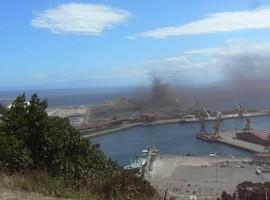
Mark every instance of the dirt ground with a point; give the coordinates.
(6, 194)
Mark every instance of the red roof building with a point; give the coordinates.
(149, 117)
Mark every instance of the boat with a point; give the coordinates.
(188, 118)
(141, 159)
(205, 137)
(212, 155)
(136, 165)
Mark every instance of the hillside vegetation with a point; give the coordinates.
(46, 154)
(2, 109)
(248, 190)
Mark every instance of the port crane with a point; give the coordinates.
(209, 137)
(216, 133)
(203, 129)
(240, 109)
(248, 125)
(204, 113)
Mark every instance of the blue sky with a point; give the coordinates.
(61, 44)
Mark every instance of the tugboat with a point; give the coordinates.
(136, 166)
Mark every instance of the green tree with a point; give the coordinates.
(30, 140)
(52, 142)
(14, 156)
(27, 122)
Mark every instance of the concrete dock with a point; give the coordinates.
(89, 134)
(229, 138)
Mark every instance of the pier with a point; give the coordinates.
(229, 138)
(148, 166)
(90, 134)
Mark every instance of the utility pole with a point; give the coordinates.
(216, 175)
(165, 195)
(216, 171)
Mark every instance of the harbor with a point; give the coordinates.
(232, 155)
(230, 149)
(174, 139)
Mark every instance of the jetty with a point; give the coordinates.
(152, 153)
(229, 138)
(90, 134)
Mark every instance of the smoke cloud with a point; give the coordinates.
(239, 70)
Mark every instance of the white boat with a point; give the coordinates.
(137, 164)
(212, 155)
(134, 164)
(140, 160)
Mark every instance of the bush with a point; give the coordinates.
(14, 156)
(248, 190)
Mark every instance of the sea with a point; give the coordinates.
(69, 97)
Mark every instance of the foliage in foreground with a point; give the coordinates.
(32, 141)
(249, 190)
(2, 109)
(41, 182)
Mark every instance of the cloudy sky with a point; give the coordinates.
(87, 43)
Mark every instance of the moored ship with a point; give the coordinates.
(136, 166)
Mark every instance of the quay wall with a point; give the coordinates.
(88, 133)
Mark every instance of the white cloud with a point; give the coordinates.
(79, 18)
(218, 22)
(234, 48)
(39, 76)
(237, 60)
(131, 38)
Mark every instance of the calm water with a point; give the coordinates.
(171, 139)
